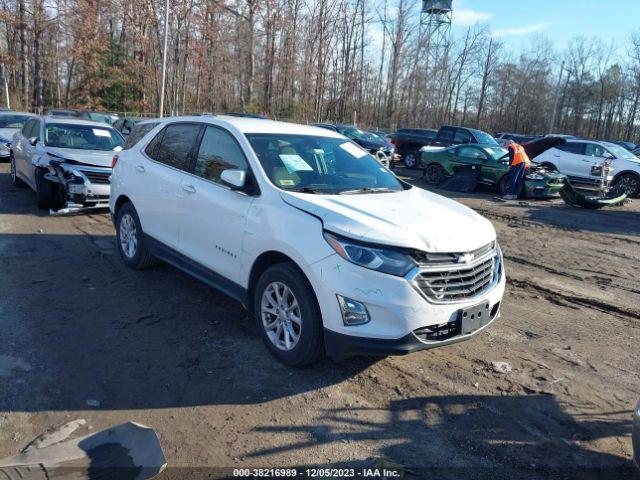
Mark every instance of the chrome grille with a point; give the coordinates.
(449, 281)
(101, 178)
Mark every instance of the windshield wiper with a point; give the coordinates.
(304, 190)
(368, 190)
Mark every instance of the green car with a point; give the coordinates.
(439, 164)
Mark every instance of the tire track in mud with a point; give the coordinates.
(588, 302)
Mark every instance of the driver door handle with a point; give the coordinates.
(189, 188)
(140, 168)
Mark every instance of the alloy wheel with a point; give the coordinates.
(630, 184)
(281, 317)
(128, 236)
(433, 174)
(410, 160)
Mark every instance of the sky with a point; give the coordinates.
(518, 22)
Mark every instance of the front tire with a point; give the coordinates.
(629, 182)
(15, 180)
(44, 191)
(412, 159)
(288, 316)
(503, 185)
(130, 239)
(434, 174)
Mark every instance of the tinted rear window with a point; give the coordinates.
(178, 141)
(572, 147)
(137, 133)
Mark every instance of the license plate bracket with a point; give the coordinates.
(474, 317)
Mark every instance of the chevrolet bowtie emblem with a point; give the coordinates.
(465, 258)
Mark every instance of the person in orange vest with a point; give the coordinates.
(518, 163)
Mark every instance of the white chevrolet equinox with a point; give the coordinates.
(329, 250)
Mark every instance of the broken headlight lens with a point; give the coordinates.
(382, 259)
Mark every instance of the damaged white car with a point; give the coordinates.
(67, 162)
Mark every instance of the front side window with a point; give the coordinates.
(218, 152)
(312, 164)
(82, 137)
(176, 144)
(462, 136)
(471, 153)
(13, 121)
(594, 150)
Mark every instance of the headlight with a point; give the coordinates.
(386, 260)
(533, 176)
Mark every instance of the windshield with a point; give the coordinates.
(13, 121)
(375, 137)
(313, 164)
(496, 152)
(83, 137)
(484, 138)
(353, 133)
(620, 152)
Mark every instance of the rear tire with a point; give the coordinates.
(130, 239)
(412, 159)
(15, 180)
(434, 174)
(629, 182)
(309, 344)
(45, 191)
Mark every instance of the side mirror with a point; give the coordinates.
(33, 141)
(126, 130)
(235, 178)
(608, 155)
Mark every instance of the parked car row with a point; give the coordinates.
(375, 143)
(580, 161)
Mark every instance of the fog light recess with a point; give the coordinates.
(353, 313)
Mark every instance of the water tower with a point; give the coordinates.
(436, 17)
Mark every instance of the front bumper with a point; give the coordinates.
(399, 312)
(82, 185)
(542, 191)
(340, 346)
(636, 435)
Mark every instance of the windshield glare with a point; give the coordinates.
(485, 138)
(496, 152)
(353, 133)
(620, 152)
(319, 164)
(82, 137)
(13, 121)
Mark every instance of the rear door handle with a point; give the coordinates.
(189, 188)
(140, 168)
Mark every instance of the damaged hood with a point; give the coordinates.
(413, 218)
(95, 158)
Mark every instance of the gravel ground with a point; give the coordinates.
(85, 337)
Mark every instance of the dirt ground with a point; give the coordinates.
(160, 348)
